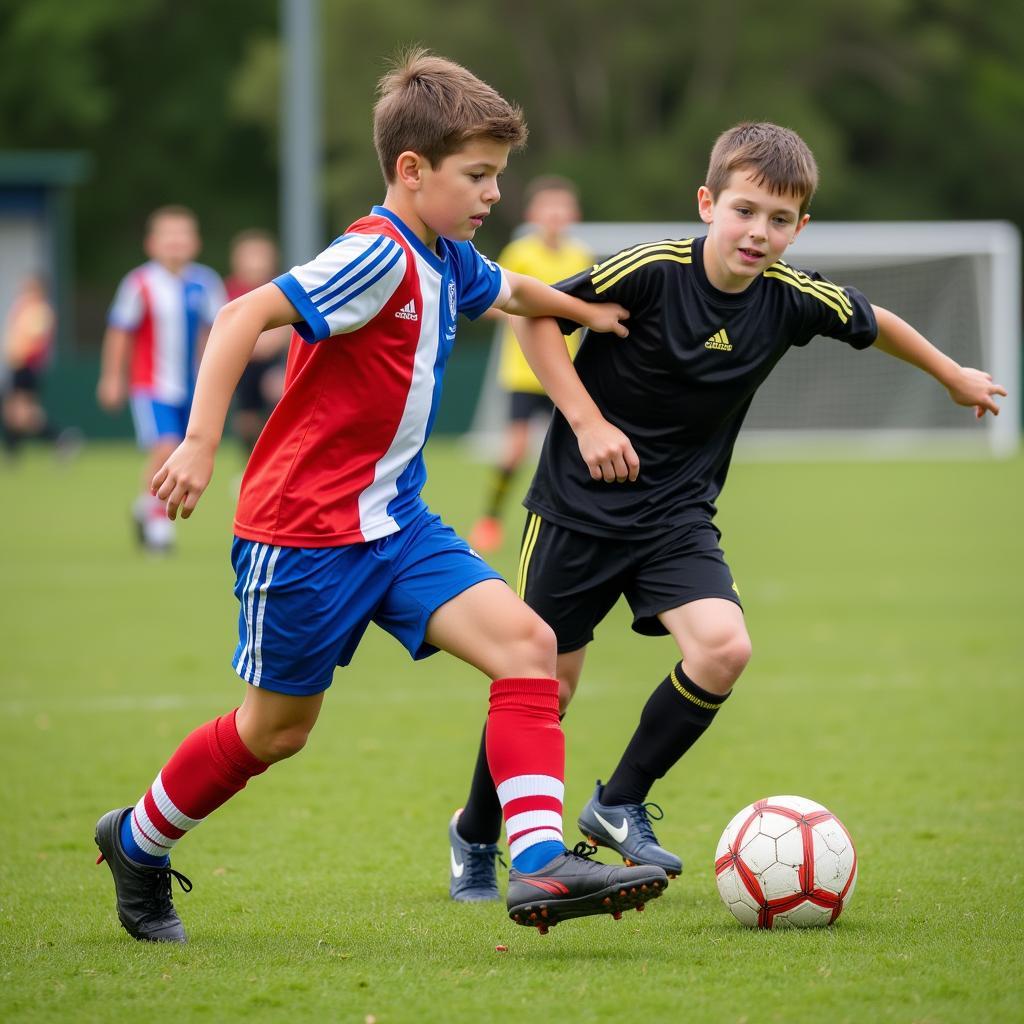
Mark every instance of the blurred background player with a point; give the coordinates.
(254, 262)
(549, 254)
(28, 343)
(157, 326)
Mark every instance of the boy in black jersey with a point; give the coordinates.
(623, 500)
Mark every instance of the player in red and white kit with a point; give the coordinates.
(156, 328)
(331, 531)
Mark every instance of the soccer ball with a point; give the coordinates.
(785, 862)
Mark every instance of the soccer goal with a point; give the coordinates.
(958, 282)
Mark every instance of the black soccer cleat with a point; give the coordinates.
(144, 905)
(572, 885)
(627, 829)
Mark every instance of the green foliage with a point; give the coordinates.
(884, 604)
(913, 107)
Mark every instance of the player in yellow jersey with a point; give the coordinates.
(547, 253)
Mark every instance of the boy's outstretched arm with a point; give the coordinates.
(187, 472)
(965, 386)
(112, 388)
(606, 450)
(530, 297)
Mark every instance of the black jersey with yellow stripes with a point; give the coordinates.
(680, 385)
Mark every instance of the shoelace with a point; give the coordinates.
(640, 817)
(159, 900)
(583, 850)
(480, 869)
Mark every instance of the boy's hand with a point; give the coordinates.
(181, 480)
(111, 392)
(975, 387)
(605, 317)
(608, 453)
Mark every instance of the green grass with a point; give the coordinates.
(886, 605)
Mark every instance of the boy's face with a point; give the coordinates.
(454, 198)
(553, 211)
(173, 241)
(750, 227)
(254, 260)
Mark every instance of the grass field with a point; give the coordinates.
(886, 605)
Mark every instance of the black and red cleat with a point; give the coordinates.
(573, 885)
(144, 905)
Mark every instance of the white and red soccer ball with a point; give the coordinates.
(785, 862)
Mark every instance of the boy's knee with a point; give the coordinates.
(717, 665)
(532, 650)
(278, 744)
(542, 645)
(738, 651)
(733, 656)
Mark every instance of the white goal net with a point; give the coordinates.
(957, 282)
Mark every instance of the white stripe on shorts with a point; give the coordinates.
(259, 552)
(258, 643)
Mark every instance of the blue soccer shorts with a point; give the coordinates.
(157, 421)
(304, 610)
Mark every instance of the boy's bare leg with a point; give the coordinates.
(274, 726)
(488, 627)
(712, 638)
(488, 534)
(715, 647)
(155, 530)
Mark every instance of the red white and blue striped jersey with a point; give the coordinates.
(165, 313)
(340, 460)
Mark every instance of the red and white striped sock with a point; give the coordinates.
(526, 755)
(211, 766)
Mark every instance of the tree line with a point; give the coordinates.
(913, 107)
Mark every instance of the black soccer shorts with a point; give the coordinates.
(525, 405)
(572, 579)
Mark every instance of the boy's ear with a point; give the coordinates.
(801, 224)
(705, 204)
(409, 169)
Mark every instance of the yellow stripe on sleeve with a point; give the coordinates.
(831, 301)
(825, 290)
(628, 256)
(656, 257)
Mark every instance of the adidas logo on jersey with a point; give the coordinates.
(720, 342)
(408, 311)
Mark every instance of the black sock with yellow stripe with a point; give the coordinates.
(502, 477)
(674, 718)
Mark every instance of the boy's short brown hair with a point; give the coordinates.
(171, 211)
(433, 106)
(549, 183)
(252, 235)
(774, 156)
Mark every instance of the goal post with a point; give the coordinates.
(958, 282)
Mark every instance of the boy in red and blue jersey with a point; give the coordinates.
(331, 531)
(156, 327)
